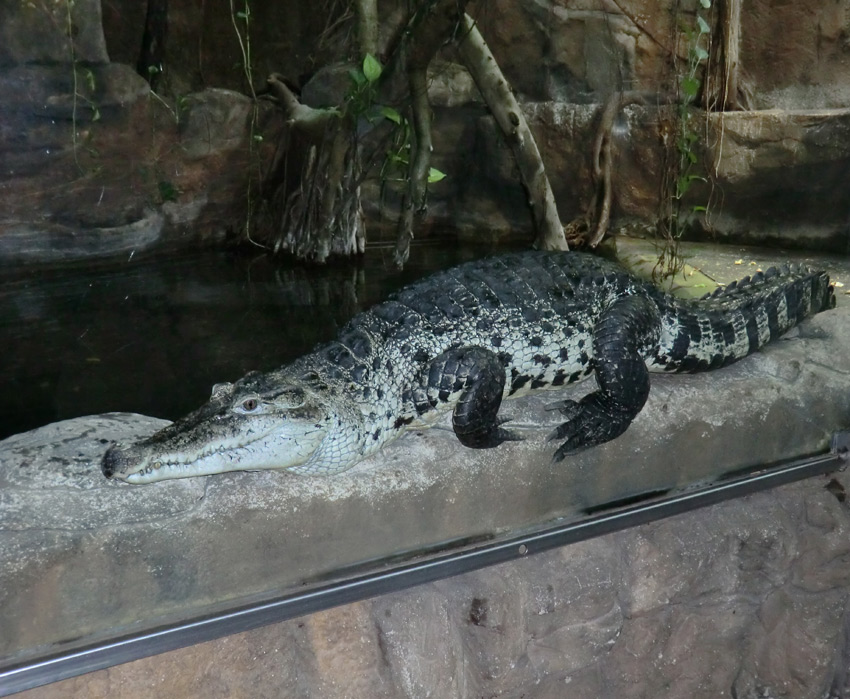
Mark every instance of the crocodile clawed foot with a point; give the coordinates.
(490, 437)
(496, 436)
(574, 432)
(507, 435)
(568, 408)
(503, 436)
(589, 422)
(510, 436)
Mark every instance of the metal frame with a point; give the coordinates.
(52, 667)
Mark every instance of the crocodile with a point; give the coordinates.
(464, 339)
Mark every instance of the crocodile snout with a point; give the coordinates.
(116, 461)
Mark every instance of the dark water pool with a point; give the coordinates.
(152, 336)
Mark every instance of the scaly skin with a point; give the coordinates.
(461, 341)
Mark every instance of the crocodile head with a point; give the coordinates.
(263, 421)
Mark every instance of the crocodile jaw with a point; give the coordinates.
(253, 425)
(149, 460)
(137, 465)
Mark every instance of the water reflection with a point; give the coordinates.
(153, 336)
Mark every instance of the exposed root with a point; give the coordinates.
(322, 215)
(590, 228)
(723, 91)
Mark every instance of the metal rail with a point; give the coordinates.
(62, 664)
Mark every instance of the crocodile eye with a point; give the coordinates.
(249, 405)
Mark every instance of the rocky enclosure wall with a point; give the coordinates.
(748, 599)
(140, 173)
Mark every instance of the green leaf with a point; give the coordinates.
(703, 25)
(706, 4)
(391, 114)
(684, 146)
(434, 175)
(371, 68)
(690, 86)
(242, 15)
(357, 76)
(700, 53)
(700, 209)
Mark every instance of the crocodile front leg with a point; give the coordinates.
(477, 375)
(626, 330)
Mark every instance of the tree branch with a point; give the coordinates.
(312, 121)
(413, 203)
(433, 28)
(496, 92)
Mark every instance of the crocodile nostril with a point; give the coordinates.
(112, 461)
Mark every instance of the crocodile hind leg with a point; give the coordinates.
(478, 376)
(626, 331)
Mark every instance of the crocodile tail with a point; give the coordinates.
(738, 319)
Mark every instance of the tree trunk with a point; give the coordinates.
(413, 203)
(321, 214)
(722, 88)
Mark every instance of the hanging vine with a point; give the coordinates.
(241, 21)
(681, 138)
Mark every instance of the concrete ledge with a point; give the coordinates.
(80, 555)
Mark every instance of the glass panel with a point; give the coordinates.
(84, 557)
(129, 129)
